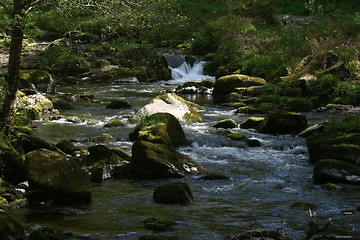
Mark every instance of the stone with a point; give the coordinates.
(52, 176)
(227, 84)
(118, 104)
(104, 137)
(252, 122)
(10, 199)
(67, 146)
(213, 176)
(283, 122)
(10, 229)
(184, 111)
(204, 86)
(11, 162)
(158, 224)
(73, 119)
(335, 171)
(156, 161)
(226, 123)
(37, 80)
(173, 193)
(114, 123)
(29, 143)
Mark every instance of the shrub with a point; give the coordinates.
(323, 87)
(350, 124)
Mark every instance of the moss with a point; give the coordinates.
(226, 123)
(47, 104)
(249, 110)
(252, 122)
(114, 123)
(73, 119)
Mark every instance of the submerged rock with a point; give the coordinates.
(184, 111)
(283, 122)
(173, 193)
(155, 161)
(158, 224)
(52, 176)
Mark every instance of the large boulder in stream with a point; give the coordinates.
(228, 84)
(156, 161)
(160, 128)
(52, 176)
(173, 193)
(343, 146)
(283, 122)
(184, 111)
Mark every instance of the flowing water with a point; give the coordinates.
(264, 181)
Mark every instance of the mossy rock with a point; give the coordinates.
(52, 176)
(304, 206)
(92, 122)
(73, 119)
(173, 193)
(104, 137)
(9, 199)
(226, 123)
(283, 122)
(155, 161)
(213, 176)
(67, 146)
(335, 171)
(252, 122)
(250, 110)
(114, 123)
(241, 137)
(227, 84)
(160, 128)
(28, 143)
(10, 229)
(122, 154)
(158, 224)
(12, 165)
(118, 104)
(40, 79)
(341, 146)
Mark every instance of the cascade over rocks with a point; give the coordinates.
(283, 122)
(228, 84)
(184, 111)
(156, 161)
(52, 176)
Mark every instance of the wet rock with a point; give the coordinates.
(100, 162)
(73, 119)
(52, 176)
(331, 186)
(37, 80)
(184, 111)
(173, 193)
(252, 122)
(155, 161)
(9, 198)
(160, 128)
(213, 176)
(158, 224)
(28, 143)
(335, 171)
(241, 137)
(91, 122)
(204, 86)
(118, 104)
(37, 106)
(104, 137)
(250, 110)
(227, 84)
(341, 146)
(67, 146)
(10, 228)
(11, 162)
(226, 123)
(283, 122)
(114, 123)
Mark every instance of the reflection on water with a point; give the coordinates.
(264, 181)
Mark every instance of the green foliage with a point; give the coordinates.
(350, 124)
(146, 120)
(324, 87)
(348, 93)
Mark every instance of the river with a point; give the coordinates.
(264, 181)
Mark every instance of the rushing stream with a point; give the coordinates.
(264, 181)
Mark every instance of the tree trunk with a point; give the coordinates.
(12, 79)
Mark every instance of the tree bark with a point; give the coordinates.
(12, 79)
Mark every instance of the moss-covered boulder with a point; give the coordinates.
(283, 122)
(12, 165)
(173, 193)
(27, 143)
(226, 123)
(10, 229)
(157, 224)
(250, 110)
(73, 119)
(37, 106)
(52, 176)
(184, 111)
(104, 137)
(114, 123)
(227, 84)
(100, 162)
(345, 147)
(68, 147)
(235, 136)
(155, 161)
(160, 128)
(38, 80)
(335, 171)
(118, 104)
(252, 122)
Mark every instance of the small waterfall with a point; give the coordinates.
(182, 71)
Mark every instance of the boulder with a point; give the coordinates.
(10, 199)
(341, 146)
(73, 119)
(10, 229)
(28, 143)
(283, 122)
(226, 123)
(37, 80)
(204, 86)
(12, 166)
(336, 171)
(68, 147)
(104, 137)
(118, 104)
(252, 122)
(114, 123)
(37, 106)
(241, 137)
(184, 111)
(227, 84)
(52, 176)
(100, 162)
(173, 193)
(160, 128)
(213, 176)
(155, 161)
